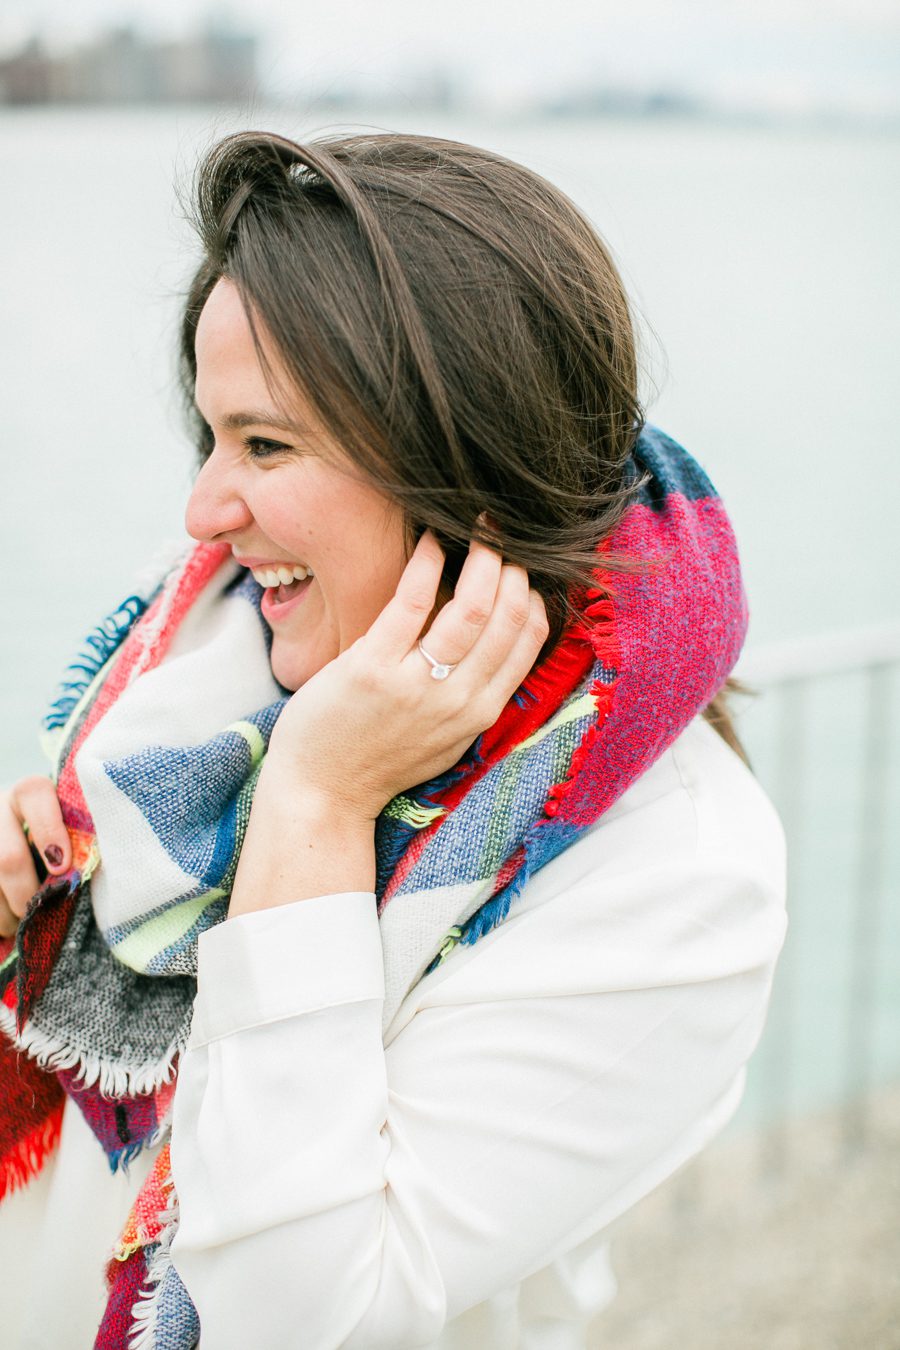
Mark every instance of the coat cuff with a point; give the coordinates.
(285, 961)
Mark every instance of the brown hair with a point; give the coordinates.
(455, 322)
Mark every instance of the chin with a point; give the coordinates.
(292, 665)
(287, 670)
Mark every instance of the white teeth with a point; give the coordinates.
(280, 576)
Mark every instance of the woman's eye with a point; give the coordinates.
(260, 448)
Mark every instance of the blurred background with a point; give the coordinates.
(742, 163)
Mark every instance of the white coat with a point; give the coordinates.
(449, 1184)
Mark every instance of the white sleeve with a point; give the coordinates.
(337, 1193)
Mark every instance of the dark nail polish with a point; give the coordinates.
(54, 854)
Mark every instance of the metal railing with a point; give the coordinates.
(786, 674)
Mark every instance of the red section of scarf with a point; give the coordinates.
(39, 943)
(145, 1222)
(117, 1328)
(31, 1118)
(143, 1227)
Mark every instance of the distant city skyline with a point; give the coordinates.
(122, 66)
(784, 54)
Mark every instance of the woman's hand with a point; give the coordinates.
(374, 722)
(32, 802)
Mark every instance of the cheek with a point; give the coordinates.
(287, 521)
(373, 579)
(372, 545)
(356, 542)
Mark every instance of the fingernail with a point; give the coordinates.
(54, 854)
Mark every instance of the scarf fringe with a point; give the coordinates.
(27, 1156)
(561, 668)
(417, 815)
(113, 1080)
(603, 695)
(493, 912)
(121, 1159)
(101, 643)
(145, 1310)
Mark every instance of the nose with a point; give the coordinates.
(215, 507)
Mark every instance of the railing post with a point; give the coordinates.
(789, 788)
(871, 873)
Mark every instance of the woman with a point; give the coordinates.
(445, 638)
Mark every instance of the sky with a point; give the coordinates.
(782, 51)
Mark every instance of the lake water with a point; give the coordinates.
(765, 268)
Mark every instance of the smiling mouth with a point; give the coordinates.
(279, 600)
(281, 575)
(282, 593)
(282, 582)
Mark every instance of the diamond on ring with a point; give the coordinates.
(439, 669)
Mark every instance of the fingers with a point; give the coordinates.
(18, 877)
(511, 640)
(34, 801)
(463, 619)
(492, 631)
(397, 628)
(523, 652)
(493, 628)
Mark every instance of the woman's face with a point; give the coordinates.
(279, 492)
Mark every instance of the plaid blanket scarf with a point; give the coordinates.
(159, 734)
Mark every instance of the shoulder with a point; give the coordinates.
(681, 882)
(698, 809)
(699, 802)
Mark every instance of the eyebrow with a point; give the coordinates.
(253, 417)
